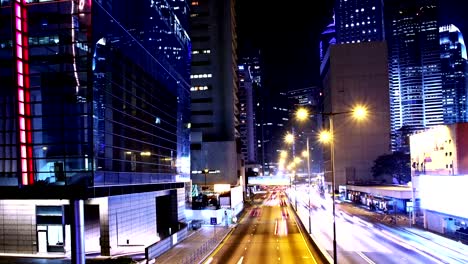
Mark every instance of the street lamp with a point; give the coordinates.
(359, 112)
(289, 139)
(205, 171)
(302, 114)
(305, 154)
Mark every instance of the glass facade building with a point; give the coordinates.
(414, 68)
(359, 21)
(93, 92)
(454, 73)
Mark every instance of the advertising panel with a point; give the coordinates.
(444, 194)
(433, 151)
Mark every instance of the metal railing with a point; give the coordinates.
(208, 246)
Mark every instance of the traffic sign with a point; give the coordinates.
(213, 220)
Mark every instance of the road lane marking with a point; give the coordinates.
(365, 257)
(240, 260)
(302, 235)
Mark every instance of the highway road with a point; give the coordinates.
(267, 233)
(360, 241)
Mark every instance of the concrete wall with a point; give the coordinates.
(18, 227)
(220, 156)
(181, 205)
(435, 221)
(132, 219)
(358, 75)
(125, 217)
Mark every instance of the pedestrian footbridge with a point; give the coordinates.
(269, 180)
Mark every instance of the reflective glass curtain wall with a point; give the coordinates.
(109, 102)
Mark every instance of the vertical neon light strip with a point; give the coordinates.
(24, 96)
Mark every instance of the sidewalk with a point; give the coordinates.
(196, 247)
(372, 216)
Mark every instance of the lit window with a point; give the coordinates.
(362, 9)
(373, 8)
(347, 25)
(195, 52)
(357, 24)
(195, 3)
(357, 10)
(352, 24)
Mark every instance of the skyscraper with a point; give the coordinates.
(94, 125)
(327, 38)
(254, 61)
(414, 68)
(214, 87)
(271, 118)
(311, 99)
(454, 74)
(359, 20)
(247, 115)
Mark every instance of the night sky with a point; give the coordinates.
(288, 33)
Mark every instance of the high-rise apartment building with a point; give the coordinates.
(214, 86)
(247, 115)
(414, 68)
(454, 75)
(359, 21)
(94, 130)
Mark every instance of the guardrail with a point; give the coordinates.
(203, 249)
(155, 250)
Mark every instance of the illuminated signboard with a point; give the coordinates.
(444, 194)
(434, 151)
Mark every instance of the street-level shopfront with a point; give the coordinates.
(380, 198)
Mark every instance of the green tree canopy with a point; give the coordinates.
(396, 165)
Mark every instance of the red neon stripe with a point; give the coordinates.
(23, 136)
(20, 95)
(19, 52)
(24, 107)
(21, 108)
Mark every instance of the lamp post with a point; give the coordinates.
(303, 114)
(289, 139)
(205, 171)
(306, 153)
(359, 113)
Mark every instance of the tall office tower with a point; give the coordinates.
(454, 74)
(414, 68)
(94, 125)
(272, 116)
(359, 20)
(253, 61)
(311, 99)
(215, 115)
(247, 115)
(327, 38)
